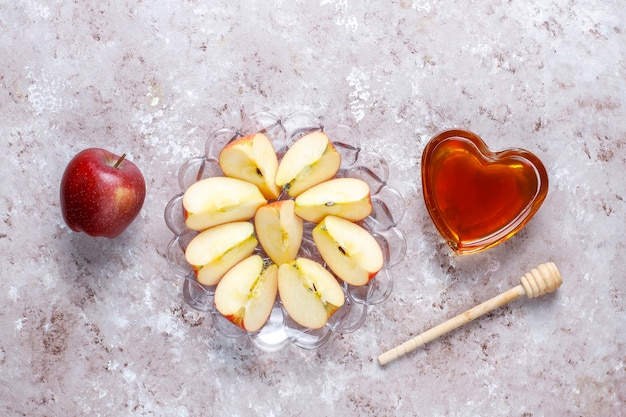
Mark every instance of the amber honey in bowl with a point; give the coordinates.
(478, 198)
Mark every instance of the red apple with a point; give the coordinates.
(101, 193)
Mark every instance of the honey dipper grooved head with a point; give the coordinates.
(541, 280)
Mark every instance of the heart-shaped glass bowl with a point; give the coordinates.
(388, 209)
(478, 198)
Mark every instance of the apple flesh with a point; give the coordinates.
(218, 200)
(349, 250)
(101, 193)
(279, 230)
(348, 198)
(309, 293)
(214, 251)
(252, 158)
(310, 160)
(246, 293)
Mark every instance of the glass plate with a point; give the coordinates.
(388, 209)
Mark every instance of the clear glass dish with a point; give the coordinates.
(388, 209)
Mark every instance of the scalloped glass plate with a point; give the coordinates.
(388, 209)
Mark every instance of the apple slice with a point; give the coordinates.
(349, 250)
(252, 158)
(310, 160)
(219, 200)
(279, 230)
(213, 252)
(246, 293)
(348, 198)
(309, 293)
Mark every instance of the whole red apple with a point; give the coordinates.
(101, 193)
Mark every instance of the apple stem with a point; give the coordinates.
(119, 161)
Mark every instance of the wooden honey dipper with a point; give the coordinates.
(539, 281)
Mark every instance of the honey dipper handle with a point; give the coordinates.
(451, 324)
(539, 281)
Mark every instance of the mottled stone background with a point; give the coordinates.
(97, 327)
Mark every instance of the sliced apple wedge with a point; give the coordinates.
(309, 293)
(349, 250)
(252, 158)
(279, 230)
(246, 293)
(310, 160)
(348, 198)
(213, 252)
(219, 200)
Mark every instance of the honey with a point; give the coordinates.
(478, 198)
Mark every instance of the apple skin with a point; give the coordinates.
(97, 197)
